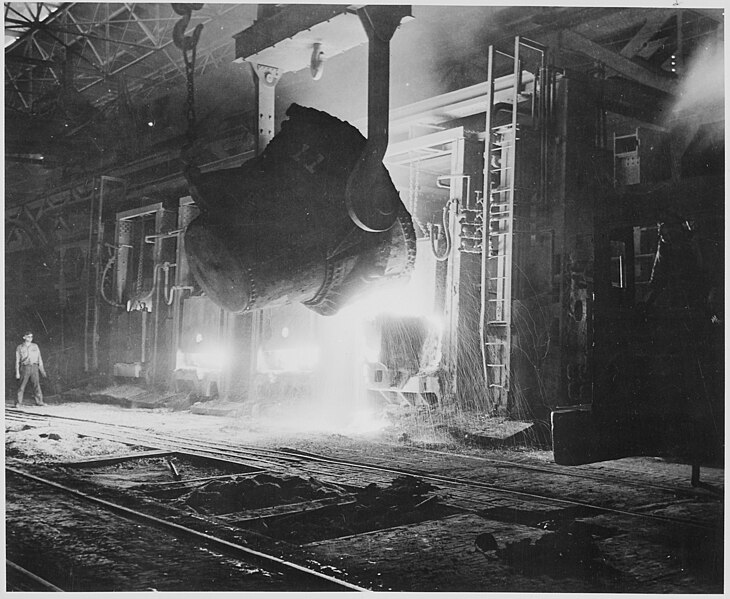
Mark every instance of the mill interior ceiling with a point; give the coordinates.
(69, 64)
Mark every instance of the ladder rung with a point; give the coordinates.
(504, 53)
(496, 386)
(497, 365)
(497, 300)
(501, 189)
(501, 168)
(500, 323)
(496, 343)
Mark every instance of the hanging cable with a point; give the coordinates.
(112, 260)
(435, 230)
(169, 292)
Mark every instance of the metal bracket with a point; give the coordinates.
(267, 75)
(266, 79)
(166, 235)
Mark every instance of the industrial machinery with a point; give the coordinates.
(547, 246)
(314, 218)
(533, 294)
(276, 230)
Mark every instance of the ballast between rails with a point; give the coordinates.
(221, 544)
(231, 453)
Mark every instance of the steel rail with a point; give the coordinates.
(255, 452)
(258, 451)
(545, 469)
(221, 544)
(42, 582)
(494, 488)
(278, 453)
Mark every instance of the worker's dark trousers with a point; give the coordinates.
(30, 372)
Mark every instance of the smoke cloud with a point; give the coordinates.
(702, 87)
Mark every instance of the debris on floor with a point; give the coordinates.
(47, 444)
(262, 490)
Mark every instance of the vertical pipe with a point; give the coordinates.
(89, 256)
(544, 84)
(452, 303)
(180, 280)
(157, 305)
(487, 184)
(91, 320)
(143, 357)
(97, 267)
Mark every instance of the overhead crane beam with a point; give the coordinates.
(618, 63)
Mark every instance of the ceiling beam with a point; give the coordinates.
(650, 27)
(716, 14)
(618, 63)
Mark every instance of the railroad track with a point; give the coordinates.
(279, 454)
(34, 581)
(466, 491)
(20, 579)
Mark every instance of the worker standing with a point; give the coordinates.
(28, 363)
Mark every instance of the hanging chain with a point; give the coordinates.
(188, 44)
(189, 74)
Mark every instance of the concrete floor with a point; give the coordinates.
(629, 555)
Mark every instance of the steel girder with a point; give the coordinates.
(101, 49)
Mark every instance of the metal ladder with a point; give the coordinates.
(497, 238)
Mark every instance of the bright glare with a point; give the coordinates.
(309, 418)
(203, 362)
(339, 379)
(395, 300)
(290, 359)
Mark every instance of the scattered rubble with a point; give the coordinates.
(49, 444)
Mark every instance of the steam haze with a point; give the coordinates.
(702, 88)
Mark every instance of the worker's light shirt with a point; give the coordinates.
(28, 354)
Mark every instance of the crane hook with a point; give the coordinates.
(182, 41)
